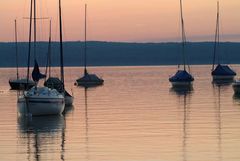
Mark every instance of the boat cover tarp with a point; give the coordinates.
(181, 76)
(36, 75)
(223, 70)
(54, 82)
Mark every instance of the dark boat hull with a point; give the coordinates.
(223, 77)
(89, 80)
(236, 87)
(223, 72)
(181, 79)
(20, 86)
(182, 84)
(89, 83)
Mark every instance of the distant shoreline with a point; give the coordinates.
(130, 66)
(122, 53)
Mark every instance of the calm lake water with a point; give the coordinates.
(134, 116)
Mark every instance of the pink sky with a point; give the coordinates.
(125, 20)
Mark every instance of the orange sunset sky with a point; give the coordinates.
(124, 20)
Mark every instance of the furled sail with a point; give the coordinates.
(36, 75)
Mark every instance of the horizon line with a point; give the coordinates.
(124, 42)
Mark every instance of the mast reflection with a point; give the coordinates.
(39, 132)
(218, 90)
(86, 123)
(184, 94)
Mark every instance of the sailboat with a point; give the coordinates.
(88, 80)
(55, 82)
(19, 83)
(39, 100)
(182, 78)
(221, 72)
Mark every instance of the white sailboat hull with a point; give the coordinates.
(41, 101)
(38, 107)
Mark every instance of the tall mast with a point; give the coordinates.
(183, 36)
(85, 42)
(216, 42)
(35, 29)
(16, 45)
(49, 49)
(29, 41)
(49, 63)
(61, 45)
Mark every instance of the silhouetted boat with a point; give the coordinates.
(19, 83)
(182, 76)
(54, 82)
(236, 87)
(88, 80)
(39, 100)
(221, 72)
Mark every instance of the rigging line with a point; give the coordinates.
(218, 36)
(40, 25)
(25, 24)
(180, 40)
(48, 64)
(49, 48)
(42, 28)
(183, 36)
(24, 8)
(61, 46)
(43, 32)
(187, 58)
(47, 9)
(35, 30)
(218, 47)
(37, 18)
(216, 39)
(85, 42)
(64, 27)
(29, 42)
(16, 46)
(22, 35)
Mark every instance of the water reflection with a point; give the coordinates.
(182, 90)
(86, 123)
(140, 120)
(184, 97)
(42, 135)
(222, 82)
(67, 110)
(218, 89)
(186, 111)
(236, 97)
